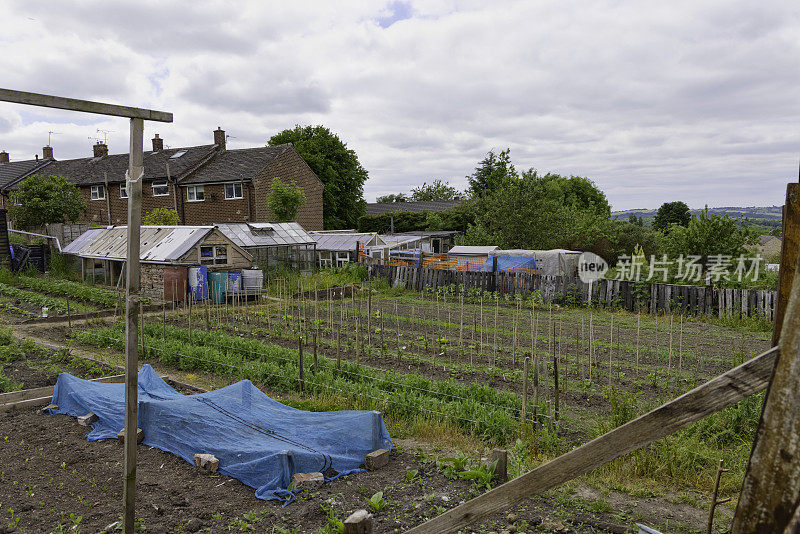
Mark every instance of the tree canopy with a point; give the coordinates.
(708, 234)
(162, 217)
(46, 199)
(336, 166)
(436, 191)
(393, 197)
(671, 213)
(285, 200)
(493, 171)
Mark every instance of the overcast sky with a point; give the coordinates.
(655, 101)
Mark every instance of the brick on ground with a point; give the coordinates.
(376, 459)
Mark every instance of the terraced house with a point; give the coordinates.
(205, 184)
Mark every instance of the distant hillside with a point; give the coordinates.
(768, 215)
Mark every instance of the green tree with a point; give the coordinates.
(492, 172)
(46, 199)
(386, 199)
(336, 166)
(708, 234)
(285, 200)
(437, 191)
(671, 213)
(527, 212)
(162, 217)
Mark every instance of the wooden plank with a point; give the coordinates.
(790, 247)
(713, 396)
(771, 488)
(86, 106)
(24, 404)
(45, 391)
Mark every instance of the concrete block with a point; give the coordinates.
(360, 522)
(307, 480)
(139, 435)
(209, 462)
(88, 419)
(376, 459)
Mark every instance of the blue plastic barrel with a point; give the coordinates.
(234, 281)
(198, 282)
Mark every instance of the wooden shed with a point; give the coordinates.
(102, 253)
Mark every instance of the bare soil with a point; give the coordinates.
(52, 476)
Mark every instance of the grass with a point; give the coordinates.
(76, 291)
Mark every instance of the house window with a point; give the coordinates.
(195, 193)
(98, 192)
(233, 191)
(160, 189)
(123, 191)
(213, 255)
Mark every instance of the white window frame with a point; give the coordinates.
(98, 192)
(233, 185)
(160, 185)
(216, 258)
(195, 189)
(325, 259)
(342, 258)
(123, 190)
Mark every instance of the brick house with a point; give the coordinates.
(204, 184)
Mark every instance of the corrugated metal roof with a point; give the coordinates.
(266, 234)
(159, 244)
(344, 241)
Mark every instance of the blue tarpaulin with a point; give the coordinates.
(510, 263)
(258, 440)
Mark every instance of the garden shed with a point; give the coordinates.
(334, 249)
(166, 251)
(274, 245)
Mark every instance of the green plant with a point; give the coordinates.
(481, 475)
(411, 475)
(161, 217)
(377, 502)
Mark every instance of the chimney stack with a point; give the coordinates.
(47, 152)
(158, 143)
(3, 157)
(219, 138)
(100, 150)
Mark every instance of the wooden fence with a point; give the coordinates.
(645, 296)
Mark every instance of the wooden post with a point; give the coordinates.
(555, 375)
(501, 469)
(300, 363)
(790, 247)
(135, 171)
(163, 320)
(523, 413)
(771, 486)
(315, 353)
(69, 317)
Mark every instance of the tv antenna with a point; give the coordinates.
(50, 134)
(105, 135)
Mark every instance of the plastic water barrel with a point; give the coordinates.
(234, 281)
(218, 284)
(198, 282)
(253, 279)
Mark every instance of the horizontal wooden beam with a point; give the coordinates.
(86, 106)
(713, 396)
(14, 397)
